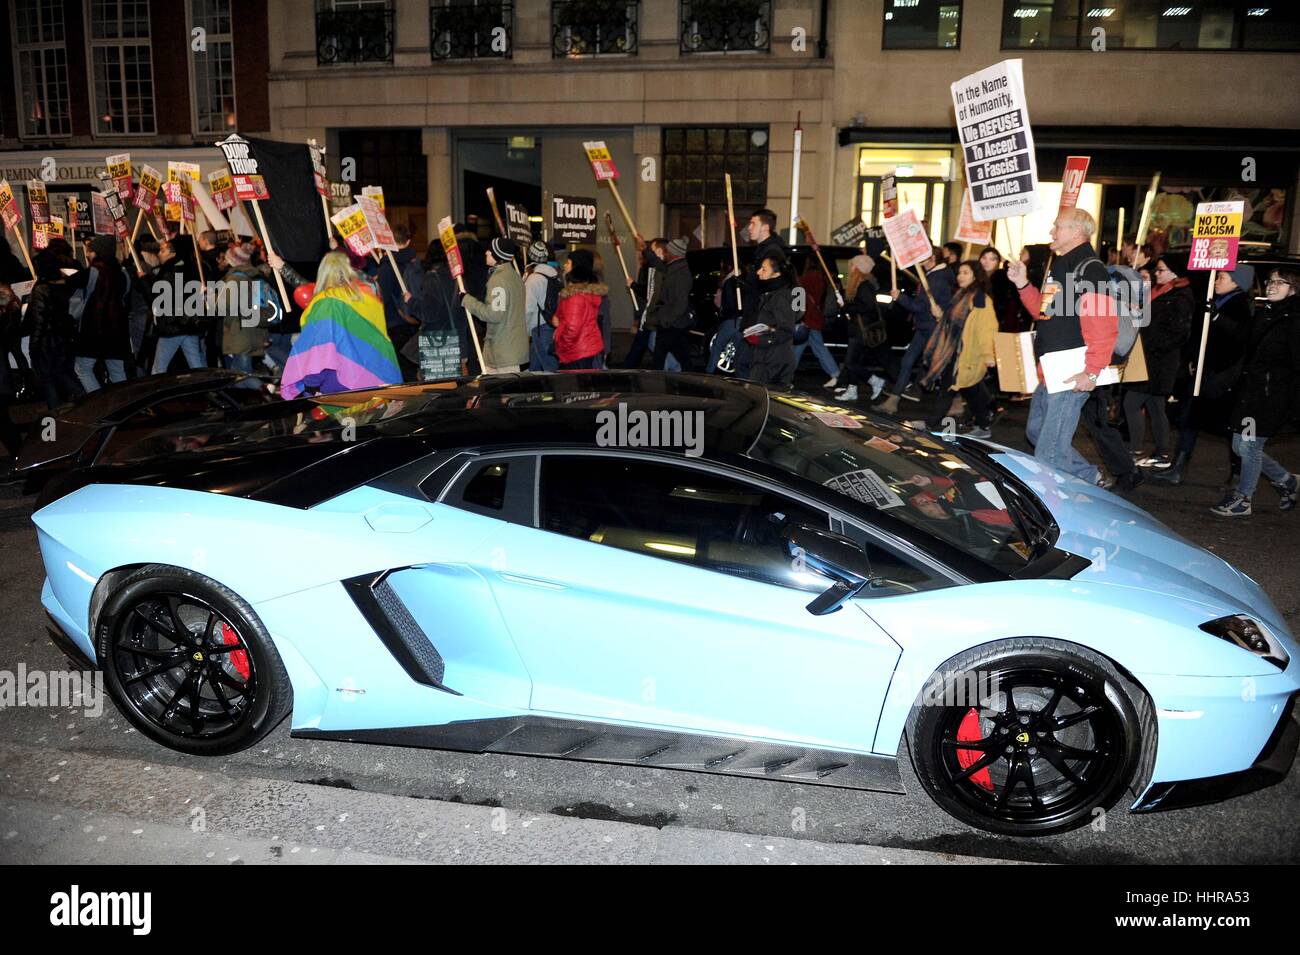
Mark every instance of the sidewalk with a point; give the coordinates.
(79, 808)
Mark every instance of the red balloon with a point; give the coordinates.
(303, 294)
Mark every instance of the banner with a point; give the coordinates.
(146, 193)
(1215, 235)
(103, 222)
(38, 202)
(222, 188)
(9, 210)
(249, 184)
(377, 222)
(518, 227)
(997, 142)
(1076, 170)
(970, 229)
(908, 242)
(602, 163)
(888, 196)
(351, 223)
(319, 175)
(447, 236)
(119, 170)
(573, 218)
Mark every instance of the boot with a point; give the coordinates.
(889, 405)
(1172, 474)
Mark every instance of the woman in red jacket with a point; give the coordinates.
(579, 342)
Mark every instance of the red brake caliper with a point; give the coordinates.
(239, 658)
(969, 732)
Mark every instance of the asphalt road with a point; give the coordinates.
(1258, 828)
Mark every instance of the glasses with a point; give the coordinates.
(1272, 282)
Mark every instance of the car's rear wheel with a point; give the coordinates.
(189, 663)
(1028, 737)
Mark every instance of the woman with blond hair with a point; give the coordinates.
(344, 342)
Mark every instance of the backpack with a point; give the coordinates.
(81, 298)
(551, 302)
(1132, 304)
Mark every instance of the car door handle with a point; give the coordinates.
(537, 582)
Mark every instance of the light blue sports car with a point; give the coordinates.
(664, 570)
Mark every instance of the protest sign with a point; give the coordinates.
(318, 167)
(377, 194)
(222, 189)
(1215, 234)
(447, 236)
(103, 222)
(9, 210)
(146, 193)
(74, 213)
(40, 235)
(249, 184)
(351, 223)
(888, 196)
(997, 142)
(850, 233)
(573, 218)
(38, 202)
(187, 199)
(602, 163)
(970, 229)
(377, 221)
(518, 227)
(908, 242)
(116, 212)
(1076, 170)
(55, 228)
(119, 170)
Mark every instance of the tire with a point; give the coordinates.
(1055, 732)
(188, 662)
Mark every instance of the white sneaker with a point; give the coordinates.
(848, 394)
(877, 386)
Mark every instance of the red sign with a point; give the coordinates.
(1076, 170)
(602, 163)
(888, 197)
(970, 229)
(448, 237)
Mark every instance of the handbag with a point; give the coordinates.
(438, 354)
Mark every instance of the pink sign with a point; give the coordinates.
(908, 242)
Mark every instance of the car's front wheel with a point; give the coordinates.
(1028, 737)
(189, 663)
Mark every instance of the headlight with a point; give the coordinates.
(1251, 636)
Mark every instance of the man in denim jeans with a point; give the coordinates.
(1074, 310)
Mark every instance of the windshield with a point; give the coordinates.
(915, 476)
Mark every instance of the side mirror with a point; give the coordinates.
(831, 555)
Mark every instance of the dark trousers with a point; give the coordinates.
(1110, 443)
(640, 344)
(672, 340)
(58, 382)
(940, 400)
(399, 335)
(583, 364)
(978, 403)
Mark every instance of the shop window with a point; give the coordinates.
(922, 25)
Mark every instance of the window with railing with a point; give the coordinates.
(37, 29)
(594, 27)
(354, 31)
(123, 66)
(471, 29)
(1150, 25)
(726, 26)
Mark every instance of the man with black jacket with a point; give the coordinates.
(401, 327)
(669, 309)
(168, 291)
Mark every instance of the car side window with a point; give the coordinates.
(893, 572)
(675, 513)
(500, 487)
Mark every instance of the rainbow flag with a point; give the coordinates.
(343, 346)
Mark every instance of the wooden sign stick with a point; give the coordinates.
(735, 254)
(266, 238)
(478, 349)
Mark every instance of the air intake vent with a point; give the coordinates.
(399, 631)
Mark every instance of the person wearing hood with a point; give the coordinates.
(542, 287)
(669, 309)
(1267, 395)
(104, 333)
(1230, 326)
(1172, 305)
(771, 334)
(505, 345)
(579, 343)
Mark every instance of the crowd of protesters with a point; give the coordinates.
(365, 322)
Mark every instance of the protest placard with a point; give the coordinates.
(602, 163)
(447, 236)
(40, 235)
(377, 194)
(249, 184)
(222, 189)
(119, 170)
(997, 142)
(146, 192)
(319, 174)
(908, 242)
(518, 226)
(970, 229)
(573, 218)
(103, 222)
(38, 202)
(352, 226)
(850, 233)
(1215, 234)
(1076, 171)
(55, 228)
(888, 196)
(9, 210)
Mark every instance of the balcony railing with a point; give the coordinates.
(594, 27)
(471, 29)
(726, 26)
(354, 36)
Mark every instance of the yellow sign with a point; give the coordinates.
(1215, 235)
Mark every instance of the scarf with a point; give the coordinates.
(1168, 286)
(945, 341)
